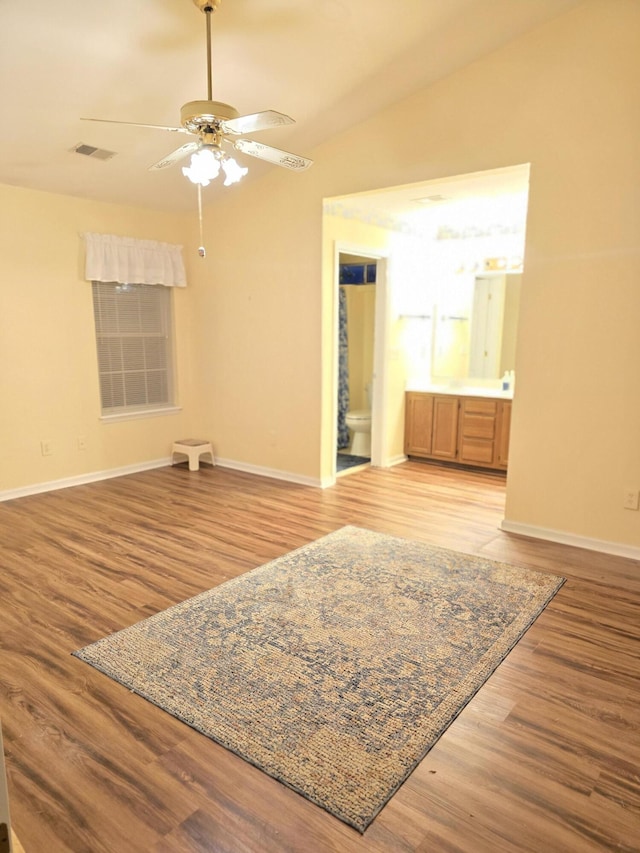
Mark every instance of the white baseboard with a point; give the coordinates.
(95, 476)
(618, 549)
(274, 473)
(82, 479)
(395, 460)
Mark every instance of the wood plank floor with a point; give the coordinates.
(546, 757)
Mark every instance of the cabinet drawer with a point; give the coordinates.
(475, 451)
(478, 426)
(480, 407)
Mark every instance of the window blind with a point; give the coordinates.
(133, 336)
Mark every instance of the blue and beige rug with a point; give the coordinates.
(344, 461)
(336, 667)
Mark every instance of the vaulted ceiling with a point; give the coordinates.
(327, 63)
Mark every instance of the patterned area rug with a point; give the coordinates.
(336, 667)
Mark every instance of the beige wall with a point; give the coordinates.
(563, 98)
(49, 379)
(257, 308)
(577, 413)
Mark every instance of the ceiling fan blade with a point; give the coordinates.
(136, 124)
(271, 155)
(257, 121)
(175, 156)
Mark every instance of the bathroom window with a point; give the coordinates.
(358, 273)
(134, 342)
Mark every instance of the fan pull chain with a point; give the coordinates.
(201, 249)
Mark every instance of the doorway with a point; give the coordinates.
(359, 285)
(430, 239)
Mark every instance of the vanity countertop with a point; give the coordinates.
(462, 391)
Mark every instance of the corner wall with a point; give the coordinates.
(49, 376)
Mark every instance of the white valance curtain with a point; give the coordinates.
(130, 261)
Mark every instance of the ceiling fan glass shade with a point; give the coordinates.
(233, 172)
(204, 167)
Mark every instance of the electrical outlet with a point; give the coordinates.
(631, 499)
(46, 447)
(82, 442)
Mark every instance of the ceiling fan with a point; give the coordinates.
(215, 123)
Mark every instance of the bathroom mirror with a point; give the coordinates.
(474, 327)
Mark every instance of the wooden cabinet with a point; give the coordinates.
(477, 431)
(444, 441)
(431, 425)
(468, 430)
(418, 421)
(504, 430)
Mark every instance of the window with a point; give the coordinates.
(358, 273)
(133, 336)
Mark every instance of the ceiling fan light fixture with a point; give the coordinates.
(233, 172)
(204, 166)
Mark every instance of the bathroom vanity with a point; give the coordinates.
(454, 426)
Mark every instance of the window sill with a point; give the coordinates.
(143, 413)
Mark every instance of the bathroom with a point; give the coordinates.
(438, 245)
(357, 290)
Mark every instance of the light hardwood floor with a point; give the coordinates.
(544, 758)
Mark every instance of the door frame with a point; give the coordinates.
(380, 338)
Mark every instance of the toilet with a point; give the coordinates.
(359, 422)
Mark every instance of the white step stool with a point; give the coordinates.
(193, 449)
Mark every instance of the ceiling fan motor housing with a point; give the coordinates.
(197, 116)
(207, 5)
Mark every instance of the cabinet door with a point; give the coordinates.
(418, 424)
(444, 444)
(504, 428)
(478, 420)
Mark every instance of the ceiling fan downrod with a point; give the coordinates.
(208, 6)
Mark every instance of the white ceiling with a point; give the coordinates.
(327, 63)
(490, 197)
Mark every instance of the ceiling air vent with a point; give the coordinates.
(92, 151)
